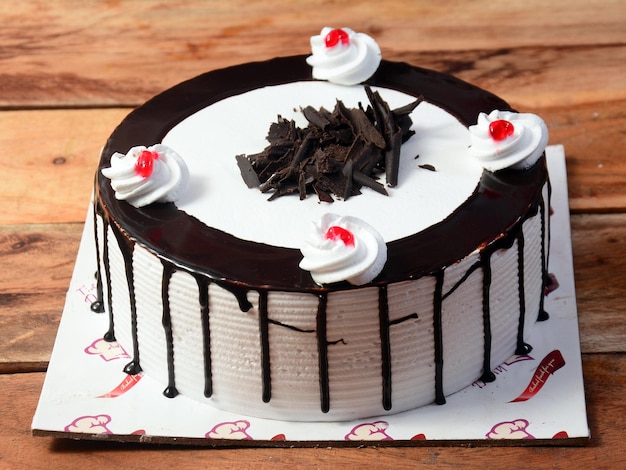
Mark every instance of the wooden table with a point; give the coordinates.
(71, 70)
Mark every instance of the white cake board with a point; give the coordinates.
(87, 396)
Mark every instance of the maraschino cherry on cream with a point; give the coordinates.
(343, 248)
(337, 233)
(144, 166)
(501, 129)
(505, 139)
(147, 175)
(343, 56)
(336, 37)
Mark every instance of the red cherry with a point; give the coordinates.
(145, 163)
(501, 129)
(337, 233)
(335, 37)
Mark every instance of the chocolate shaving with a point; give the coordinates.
(247, 172)
(337, 154)
(428, 166)
(315, 117)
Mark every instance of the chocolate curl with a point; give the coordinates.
(315, 117)
(395, 127)
(347, 172)
(392, 158)
(247, 172)
(369, 182)
(361, 126)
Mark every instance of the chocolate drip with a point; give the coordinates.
(440, 398)
(322, 349)
(488, 375)
(241, 294)
(289, 327)
(110, 334)
(265, 348)
(98, 305)
(460, 282)
(126, 247)
(403, 319)
(545, 221)
(168, 270)
(203, 300)
(522, 347)
(385, 345)
(516, 233)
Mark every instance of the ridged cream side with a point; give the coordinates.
(533, 272)
(462, 325)
(504, 299)
(294, 354)
(355, 360)
(186, 317)
(412, 343)
(235, 350)
(150, 333)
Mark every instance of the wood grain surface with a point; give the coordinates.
(71, 70)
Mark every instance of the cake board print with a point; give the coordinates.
(537, 399)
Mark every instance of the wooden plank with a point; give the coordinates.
(119, 54)
(604, 377)
(600, 276)
(47, 175)
(529, 77)
(594, 146)
(38, 261)
(37, 264)
(534, 77)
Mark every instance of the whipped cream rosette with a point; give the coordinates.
(343, 248)
(504, 139)
(343, 56)
(147, 175)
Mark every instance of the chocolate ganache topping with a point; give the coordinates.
(490, 213)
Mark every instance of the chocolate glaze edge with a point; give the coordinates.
(430, 250)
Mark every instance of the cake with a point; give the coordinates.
(301, 303)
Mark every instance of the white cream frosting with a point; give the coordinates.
(421, 199)
(345, 64)
(333, 260)
(519, 151)
(169, 176)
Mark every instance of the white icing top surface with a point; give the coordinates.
(210, 139)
